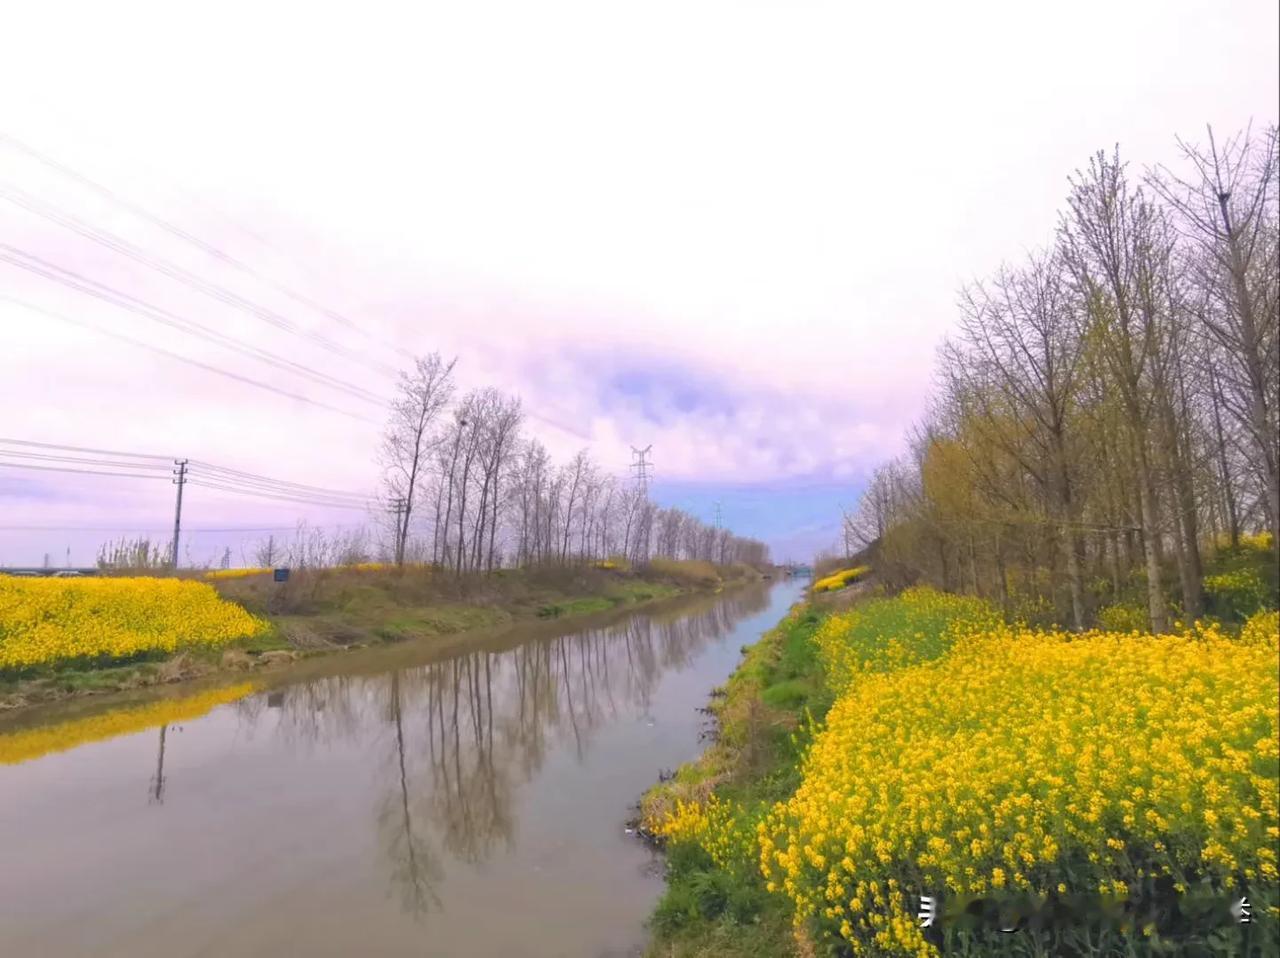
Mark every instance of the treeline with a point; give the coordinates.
(1107, 410)
(464, 489)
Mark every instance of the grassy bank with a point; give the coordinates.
(716, 904)
(1103, 791)
(113, 634)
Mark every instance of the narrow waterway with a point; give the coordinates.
(471, 805)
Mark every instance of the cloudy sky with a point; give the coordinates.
(730, 230)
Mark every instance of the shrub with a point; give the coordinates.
(1122, 617)
(1237, 594)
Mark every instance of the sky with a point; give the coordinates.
(732, 230)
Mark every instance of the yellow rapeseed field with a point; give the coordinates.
(969, 757)
(1034, 760)
(32, 743)
(49, 621)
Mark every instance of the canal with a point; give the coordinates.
(414, 803)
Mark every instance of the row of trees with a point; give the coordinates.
(1108, 407)
(464, 489)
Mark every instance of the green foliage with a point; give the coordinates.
(1241, 581)
(1122, 617)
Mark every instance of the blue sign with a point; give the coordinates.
(280, 575)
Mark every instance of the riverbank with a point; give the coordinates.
(332, 610)
(716, 902)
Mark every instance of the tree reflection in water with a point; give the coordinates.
(461, 735)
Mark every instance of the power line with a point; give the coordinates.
(226, 258)
(87, 472)
(208, 248)
(254, 478)
(258, 383)
(195, 471)
(186, 530)
(262, 494)
(175, 272)
(73, 280)
(43, 457)
(100, 452)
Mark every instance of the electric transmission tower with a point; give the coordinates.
(640, 467)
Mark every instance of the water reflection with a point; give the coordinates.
(455, 739)
(27, 744)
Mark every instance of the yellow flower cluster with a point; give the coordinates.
(1261, 629)
(47, 621)
(1258, 542)
(32, 743)
(724, 830)
(1031, 760)
(838, 580)
(234, 573)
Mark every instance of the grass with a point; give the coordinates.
(764, 716)
(54, 684)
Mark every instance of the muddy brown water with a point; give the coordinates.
(466, 804)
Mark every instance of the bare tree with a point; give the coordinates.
(1226, 207)
(407, 442)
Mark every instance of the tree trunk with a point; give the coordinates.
(1151, 541)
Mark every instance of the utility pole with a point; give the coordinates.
(640, 468)
(180, 480)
